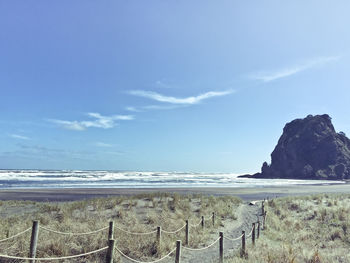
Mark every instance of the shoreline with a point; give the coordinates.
(246, 193)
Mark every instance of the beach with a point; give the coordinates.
(246, 193)
(66, 213)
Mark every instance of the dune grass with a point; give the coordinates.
(139, 213)
(310, 229)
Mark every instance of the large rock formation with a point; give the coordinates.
(309, 148)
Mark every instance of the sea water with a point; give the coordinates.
(20, 179)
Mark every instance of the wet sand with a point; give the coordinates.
(72, 194)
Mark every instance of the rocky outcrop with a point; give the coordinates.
(309, 148)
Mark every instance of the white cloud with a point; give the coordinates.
(163, 107)
(267, 76)
(133, 109)
(98, 121)
(188, 100)
(21, 137)
(70, 125)
(102, 144)
(155, 107)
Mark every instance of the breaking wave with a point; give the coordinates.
(122, 179)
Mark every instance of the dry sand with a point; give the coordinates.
(72, 194)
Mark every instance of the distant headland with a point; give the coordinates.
(309, 148)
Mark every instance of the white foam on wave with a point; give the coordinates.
(79, 178)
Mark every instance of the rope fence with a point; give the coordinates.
(195, 225)
(135, 233)
(18, 234)
(202, 248)
(111, 248)
(57, 258)
(210, 217)
(174, 232)
(251, 232)
(74, 234)
(137, 261)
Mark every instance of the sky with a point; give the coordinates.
(196, 86)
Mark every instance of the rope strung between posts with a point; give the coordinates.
(208, 218)
(195, 225)
(167, 232)
(202, 248)
(264, 221)
(135, 233)
(73, 234)
(137, 261)
(18, 234)
(174, 232)
(234, 239)
(250, 233)
(58, 258)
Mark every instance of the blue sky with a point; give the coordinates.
(202, 86)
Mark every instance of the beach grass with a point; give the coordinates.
(310, 229)
(138, 213)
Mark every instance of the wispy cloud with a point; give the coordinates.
(174, 100)
(98, 121)
(133, 109)
(70, 125)
(267, 76)
(164, 107)
(155, 107)
(20, 137)
(102, 144)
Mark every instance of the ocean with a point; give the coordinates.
(22, 179)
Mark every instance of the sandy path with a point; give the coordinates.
(246, 216)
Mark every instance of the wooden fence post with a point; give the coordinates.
(213, 218)
(110, 251)
(243, 244)
(111, 230)
(264, 219)
(221, 247)
(258, 235)
(34, 240)
(262, 208)
(253, 234)
(202, 222)
(178, 251)
(187, 233)
(159, 236)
